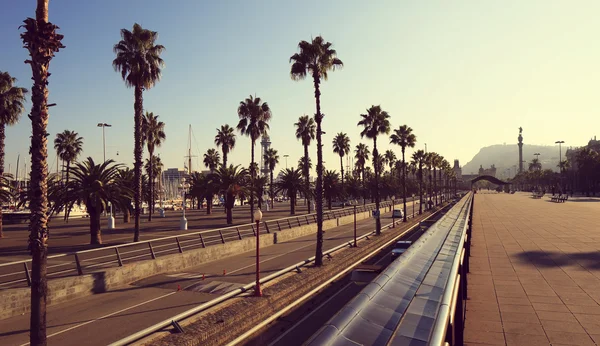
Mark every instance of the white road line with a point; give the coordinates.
(310, 314)
(105, 316)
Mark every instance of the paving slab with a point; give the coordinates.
(535, 271)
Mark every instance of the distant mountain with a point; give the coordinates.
(506, 156)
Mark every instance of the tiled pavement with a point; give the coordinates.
(535, 272)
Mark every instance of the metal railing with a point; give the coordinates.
(243, 289)
(17, 274)
(449, 323)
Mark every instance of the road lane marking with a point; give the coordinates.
(105, 316)
(310, 314)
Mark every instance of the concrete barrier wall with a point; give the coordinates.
(15, 302)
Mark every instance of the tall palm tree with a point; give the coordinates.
(390, 158)
(68, 146)
(375, 122)
(404, 137)
(12, 99)
(316, 58)
(305, 131)
(153, 166)
(212, 159)
(153, 134)
(254, 118)
(330, 186)
(139, 62)
(290, 183)
(42, 41)
(94, 185)
(231, 183)
(361, 154)
(535, 165)
(225, 138)
(272, 159)
(341, 146)
(419, 158)
(436, 161)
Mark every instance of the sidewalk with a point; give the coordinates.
(534, 272)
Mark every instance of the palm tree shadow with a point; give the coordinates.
(588, 260)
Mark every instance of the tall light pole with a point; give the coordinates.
(286, 156)
(425, 147)
(559, 154)
(537, 156)
(103, 125)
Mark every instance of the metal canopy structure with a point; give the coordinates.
(491, 179)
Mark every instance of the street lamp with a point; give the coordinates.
(183, 224)
(257, 217)
(286, 156)
(537, 156)
(103, 125)
(559, 154)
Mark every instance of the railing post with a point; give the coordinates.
(459, 314)
(178, 245)
(202, 240)
(79, 270)
(267, 227)
(289, 223)
(27, 275)
(239, 234)
(151, 250)
(222, 239)
(119, 257)
(298, 221)
(278, 226)
(306, 218)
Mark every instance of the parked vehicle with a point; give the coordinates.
(397, 213)
(400, 247)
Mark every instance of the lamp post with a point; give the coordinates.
(286, 156)
(355, 227)
(257, 217)
(183, 224)
(559, 154)
(537, 156)
(103, 125)
(413, 202)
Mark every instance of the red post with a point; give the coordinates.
(355, 226)
(257, 291)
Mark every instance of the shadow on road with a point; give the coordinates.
(590, 260)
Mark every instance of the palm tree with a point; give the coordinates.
(212, 159)
(419, 158)
(125, 179)
(12, 101)
(305, 131)
(254, 118)
(330, 181)
(403, 137)
(317, 58)
(225, 138)
(42, 41)
(390, 158)
(436, 161)
(153, 166)
(153, 134)
(271, 159)
(429, 164)
(231, 183)
(535, 165)
(341, 146)
(139, 62)
(361, 154)
(290, 183)
(375, 122)
(94, 185)
(68, 146)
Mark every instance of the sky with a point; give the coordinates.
(462, 74)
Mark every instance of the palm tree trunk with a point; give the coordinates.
(342, 170)
(306, 177)
(251, 182)
(364, 186)
(95, 230)
(38, 225)
(224, 156)
(2, 138)
(404, 184)
(209, 199)
(150, 187)
(67, 210)
(293, 204)
(137, 155)
(376, 168)
(319, 187)
(126, 215)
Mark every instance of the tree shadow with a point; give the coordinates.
(589, 260)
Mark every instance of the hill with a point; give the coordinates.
(507, 156)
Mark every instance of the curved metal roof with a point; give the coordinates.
(491, 179)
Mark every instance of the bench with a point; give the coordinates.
(537, 195)
(559, 198)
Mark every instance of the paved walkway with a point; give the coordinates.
(535, 272)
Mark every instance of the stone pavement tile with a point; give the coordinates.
(480, 306)
(544, 299)
(516, 308)
(488, 338)
(484, 326)
(574, 339)
(596, 338)
(526, 340)
(584, 309)
(562, 326)
(556, 316)
(481, 297)
(511, 293)
(541, 292)
(524, 317)
(513, 301)
(484, 315)
(523, 328)
(550, 307)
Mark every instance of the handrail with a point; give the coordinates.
(210, 238)
(294, 267)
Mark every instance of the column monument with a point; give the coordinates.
(520, 150)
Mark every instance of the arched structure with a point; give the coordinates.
(489, 178)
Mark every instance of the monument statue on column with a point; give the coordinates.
(520, 150)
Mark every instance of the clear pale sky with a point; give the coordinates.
(462, 74)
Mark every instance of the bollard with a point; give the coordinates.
(224, 272)
(203, 277)
(111, 222)
(178, 287)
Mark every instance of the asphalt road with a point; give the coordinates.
(108, 317)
